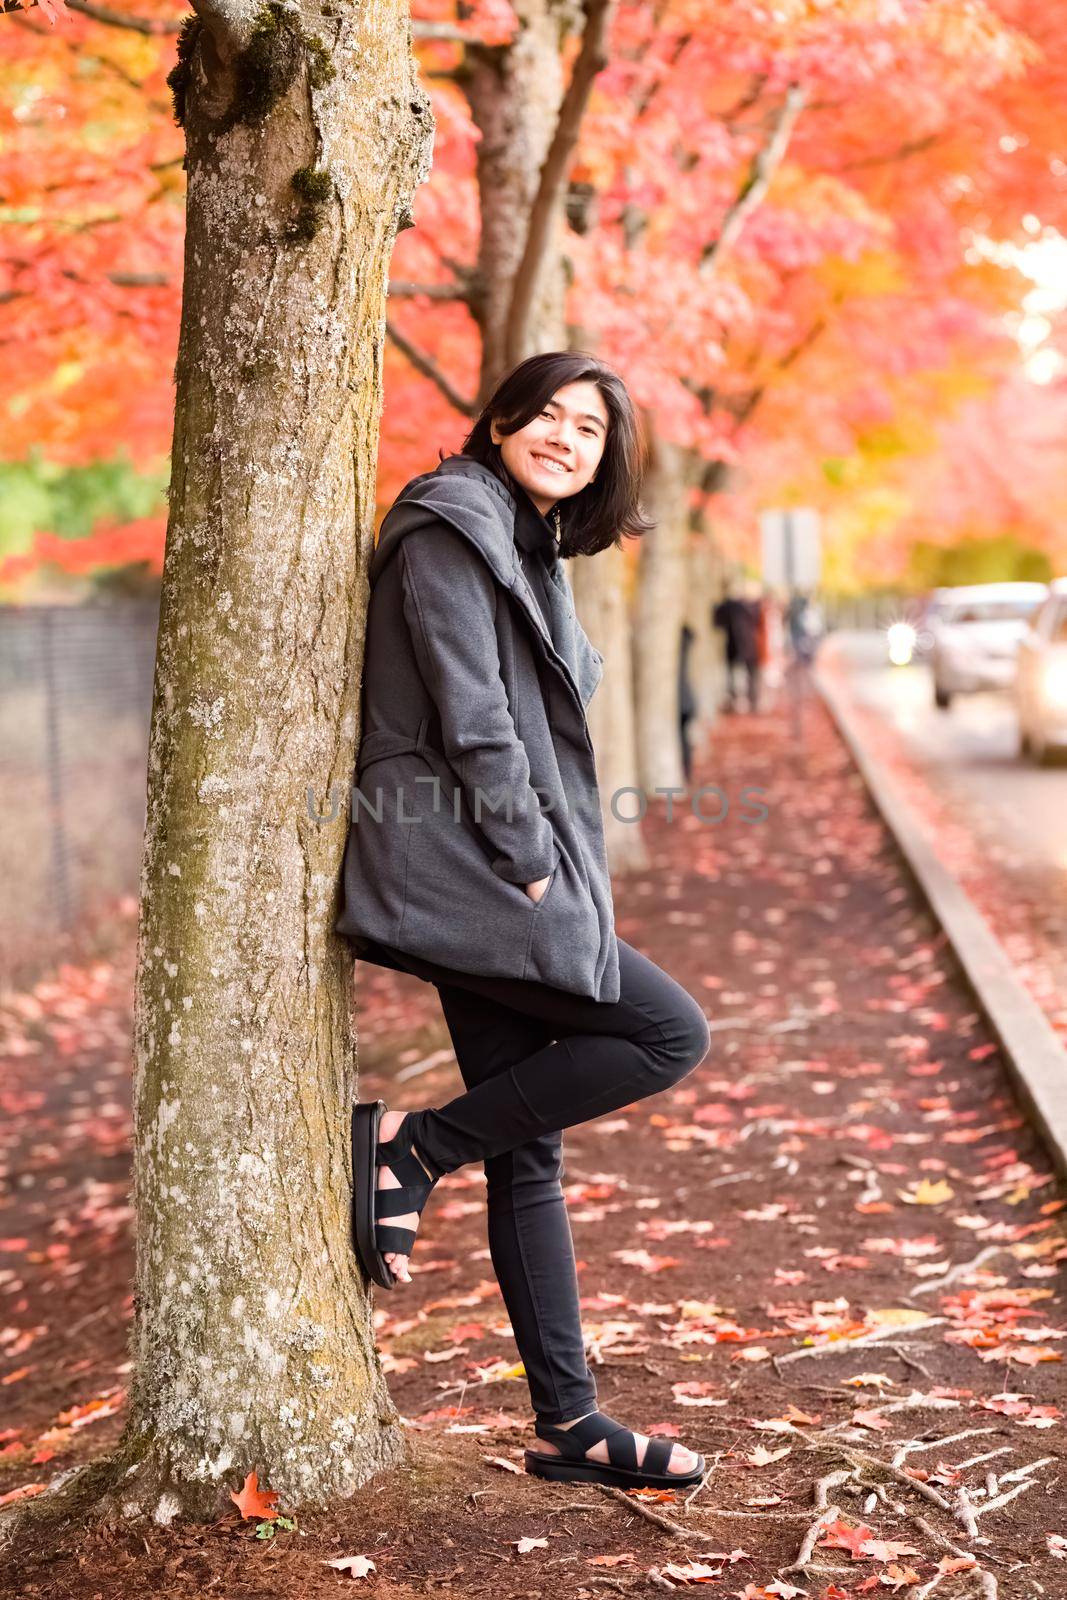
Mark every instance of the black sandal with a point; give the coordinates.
(574, 1466)
(370, 1204)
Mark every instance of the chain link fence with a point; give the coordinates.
(75, 704)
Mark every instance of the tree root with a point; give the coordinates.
(657, 1519)
(83, 1495)
(880, 1336)
(964, 1510)
(807, 1546)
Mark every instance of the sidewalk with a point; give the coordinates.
(827, 1260)
(1009, 998)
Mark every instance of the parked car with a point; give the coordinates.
(977, 630)
(1041, 682)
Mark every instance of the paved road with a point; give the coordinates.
(969, 754)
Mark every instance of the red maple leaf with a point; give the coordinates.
(252, 1501)
(840, 1536)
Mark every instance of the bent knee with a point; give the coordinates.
(688, 1042)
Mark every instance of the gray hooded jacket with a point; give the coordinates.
(475, 773)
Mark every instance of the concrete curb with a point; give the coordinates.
(1034, 1054)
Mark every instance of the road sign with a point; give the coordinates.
(792, 547)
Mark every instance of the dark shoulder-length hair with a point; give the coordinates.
(609, 508)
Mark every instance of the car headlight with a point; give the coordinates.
(1054, 683)
(900, 639)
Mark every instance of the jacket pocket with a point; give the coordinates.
(565, 937)
(457, 911)
(553, 879)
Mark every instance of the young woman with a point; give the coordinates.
(476, 861)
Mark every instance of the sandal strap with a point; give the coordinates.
(401, 1144)
(400, 1241)
(658, 1455)
(575, 1442)
(406, 1166)
(410, 1195)
(398, 1202)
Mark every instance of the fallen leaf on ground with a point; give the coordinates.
(869, 1419)
(355, 1566)
(927, 1193)
(252, 1501)
(23, 1493)
(842, 1536)
(693, 1571)
(898, 1317)
(887, 1549)
(695, 1394)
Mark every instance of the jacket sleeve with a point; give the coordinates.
(450, 600)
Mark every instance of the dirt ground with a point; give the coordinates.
(829, 1260)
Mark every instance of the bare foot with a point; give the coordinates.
(681, 1459)
(387, 1179)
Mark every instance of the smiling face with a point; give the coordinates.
(557, 453)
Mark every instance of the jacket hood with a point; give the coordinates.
(463, 492)
(473, 500)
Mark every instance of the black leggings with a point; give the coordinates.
(536, 1060)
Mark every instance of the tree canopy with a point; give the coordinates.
(802, 236)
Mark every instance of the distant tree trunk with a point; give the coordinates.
(709, 566)
(515, 98)
(514, 93)
(703, 589)
(252, 1339)
(659, 610)
(603, 603)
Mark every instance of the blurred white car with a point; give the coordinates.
(1041, 684)
(977, 631)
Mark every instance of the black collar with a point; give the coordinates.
(532, 530)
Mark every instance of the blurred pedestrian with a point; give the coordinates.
(687, 701)
(804, 623)
(738, 619)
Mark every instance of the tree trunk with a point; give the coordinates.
(709, 580)
(514, 95)
(659, 610)
(252, 1340)
(601, 598)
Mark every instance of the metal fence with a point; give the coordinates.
(75, 703)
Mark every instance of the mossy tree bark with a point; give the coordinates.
(252, 1340)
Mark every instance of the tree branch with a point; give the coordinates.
(104, 14)
(230, 20)
(592, 58)
(441, 30)
(429, 369)
(402, 289)
(766, 162)
(646, 98)
(913, 147)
